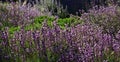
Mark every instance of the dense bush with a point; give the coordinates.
(62, 22)
(76, 44)
(93, 37)
(106, 17)
(52, 7)
(37, 23)
(16, 14)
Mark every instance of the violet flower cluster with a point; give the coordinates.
(106, 17)
(82, 43)
(96, 40)
(17, 14)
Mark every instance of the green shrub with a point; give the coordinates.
(72, 21)
(37, 23)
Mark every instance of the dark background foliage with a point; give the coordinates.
(73, 6)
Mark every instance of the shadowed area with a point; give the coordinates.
(72, 6)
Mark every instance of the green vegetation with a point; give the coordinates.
(26, 35)
(38, 21)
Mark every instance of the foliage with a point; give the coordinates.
(81, 43)
(61, 22)
(52, 39)
(106, 17)
(37, 23)
(17, 14)
(52, 7)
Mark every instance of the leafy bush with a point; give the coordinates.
(76, 44)
(17, 15)
(106, 17)
(37, 23)
(52, 7)
(43, 40)
(72, 21)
